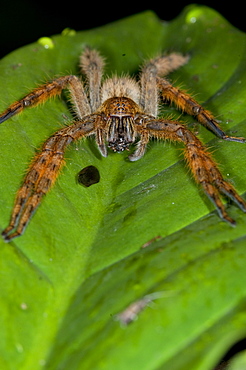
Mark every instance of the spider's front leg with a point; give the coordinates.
(190, 106)
(203, 167)
(42, 174)
(49, 90)
(92, 65)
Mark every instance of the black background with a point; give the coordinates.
(23, 22)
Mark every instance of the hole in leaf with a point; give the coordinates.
(88, 176)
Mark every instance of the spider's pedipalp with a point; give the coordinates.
(101, 142)
(141, 145)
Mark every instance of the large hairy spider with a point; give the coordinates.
(118, 111)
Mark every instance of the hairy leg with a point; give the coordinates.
(42, 93)
(187, 104)
(42, 175)
(159, 66)
(92, 65)
(202, 166)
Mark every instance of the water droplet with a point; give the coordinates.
(46, 42)
(193, 15)
(68, 32)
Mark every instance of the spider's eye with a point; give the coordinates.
(88, 176)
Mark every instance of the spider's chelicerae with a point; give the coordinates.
(119, 111)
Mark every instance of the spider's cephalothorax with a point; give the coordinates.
(118, 111)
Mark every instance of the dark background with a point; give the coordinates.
(23, 22)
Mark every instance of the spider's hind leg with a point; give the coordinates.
(200, 162)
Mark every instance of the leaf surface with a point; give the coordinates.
(80, 261)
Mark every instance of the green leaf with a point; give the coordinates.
(80, 262)
(238, 362)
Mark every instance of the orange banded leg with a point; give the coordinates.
(37, 182)
(187, 104)
(48, 90)
(42, 175)
(210, 178)
(204, 169)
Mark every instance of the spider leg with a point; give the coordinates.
(92, 64)
(203, 167)
(159, 66)
(48, 90)
(187, 104)
(42, 174)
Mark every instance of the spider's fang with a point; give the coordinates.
(120, 133)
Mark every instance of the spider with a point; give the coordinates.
(118, 111)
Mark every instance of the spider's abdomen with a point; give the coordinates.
(120, 113)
